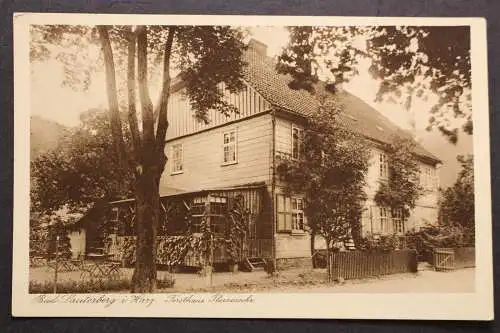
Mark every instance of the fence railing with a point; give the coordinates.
(360, 264)
(445, 259)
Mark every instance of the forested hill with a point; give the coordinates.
(44, 135)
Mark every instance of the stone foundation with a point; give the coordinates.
(287, 263)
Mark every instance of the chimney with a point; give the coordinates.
(258, 46)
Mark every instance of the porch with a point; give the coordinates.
(181, 236)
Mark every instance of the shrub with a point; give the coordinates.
(319, 259)
(91, 286)
(78, 286)
(382, 243)
(428, 238)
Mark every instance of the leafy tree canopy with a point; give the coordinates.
(330, 173)
(81, 169)
(457, 206)
(409, 62)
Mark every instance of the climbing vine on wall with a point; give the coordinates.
(402, 188)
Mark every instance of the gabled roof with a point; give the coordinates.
(358, 116)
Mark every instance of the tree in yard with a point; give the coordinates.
(409, 63)
(205, 55)
(457, 205)
(401, 190)
(331, 175)
(80, 169)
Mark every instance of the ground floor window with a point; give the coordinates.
(214, 209)
(290, 213)
(398, 221)
(391, 221)
(384, 219)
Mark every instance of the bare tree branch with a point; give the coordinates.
(114, 111)
(131, 85)
(165, 92)
(147, 105)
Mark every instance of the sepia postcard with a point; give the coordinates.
(251, 167)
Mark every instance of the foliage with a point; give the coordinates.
(457, 204)
(382, 243)
(81, 169)
(238, 221)
(39, 235)
(402, 188)
(428, 238)
(330, 173)
(409, 62)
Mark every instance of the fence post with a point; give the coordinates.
(56, 264)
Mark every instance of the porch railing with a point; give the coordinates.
(253, 248)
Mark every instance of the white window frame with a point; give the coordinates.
(384, 218)
(398, 221)
(228, 145)
(300, 141)
(298, 217)
(428, 177)
(383, 166)
(177, 162)
(292, 214)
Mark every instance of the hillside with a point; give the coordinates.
(44, 135)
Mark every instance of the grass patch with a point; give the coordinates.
(91, 286)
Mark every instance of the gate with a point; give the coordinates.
(444, 259)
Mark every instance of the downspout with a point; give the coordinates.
(273, 188)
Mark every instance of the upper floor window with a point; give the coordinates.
(383, 166)
(230, 147)
(177, 159)
(290, 213)
(428, 177)
(297, 140)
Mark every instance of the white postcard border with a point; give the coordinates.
(467, 306)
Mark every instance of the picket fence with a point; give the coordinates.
(360, 264)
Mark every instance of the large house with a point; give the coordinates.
(209, 164)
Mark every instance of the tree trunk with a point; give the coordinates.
(147, 217)
(328, 260)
